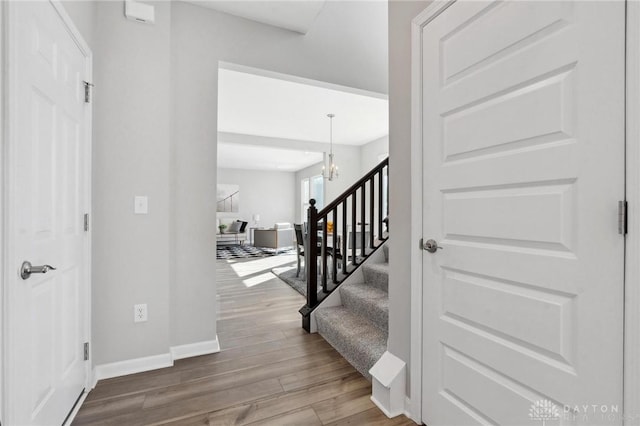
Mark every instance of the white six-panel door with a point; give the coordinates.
(523, 168)
(48, 194)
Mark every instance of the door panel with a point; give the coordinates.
(48, 183)
(523, 142)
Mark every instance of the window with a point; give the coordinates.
(311, 188)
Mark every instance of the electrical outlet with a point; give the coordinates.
(140, 312)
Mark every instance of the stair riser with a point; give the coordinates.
(373, 312)
(376, 278)
(361, 357)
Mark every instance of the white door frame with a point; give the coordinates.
(631, 375)
(6, 133)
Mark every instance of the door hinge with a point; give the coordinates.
(622, 217)
(87, 91)
(86, 222)
(86, 351)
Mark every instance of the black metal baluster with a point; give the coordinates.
(345, 237)
(372, 205)
(354, 227)
(363, 218)
(334, 263)
(312, 256)
(381, 215)
(323, 252)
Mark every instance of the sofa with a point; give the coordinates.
(281, 236)
(234, 233)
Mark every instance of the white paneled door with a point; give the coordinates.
(48, 194)
(523, 168)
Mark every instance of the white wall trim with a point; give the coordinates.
(154, 362)
(132, 366)
(3, 224)
(6, 132)
(88, 109)
(632, 249)
(407, 407)
(301, 80)
(415, 366)
(195, 349)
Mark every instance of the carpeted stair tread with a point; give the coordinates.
(358, 340)
(377, 275)
(368, 301)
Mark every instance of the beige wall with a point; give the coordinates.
(401, 241)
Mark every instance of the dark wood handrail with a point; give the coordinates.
(353, 188)
(318, 220)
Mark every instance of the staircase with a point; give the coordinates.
(359, 328)
(349, 233)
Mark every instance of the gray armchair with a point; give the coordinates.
(279, 237)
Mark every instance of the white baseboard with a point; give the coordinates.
(382, 408)
(139, 365)
(195, 349)
(132, 366)
(407, 408)
(94, 379)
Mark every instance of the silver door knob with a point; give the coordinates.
(431, 246)
(27, 269)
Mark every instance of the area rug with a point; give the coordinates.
(244, 251)
(288, 275)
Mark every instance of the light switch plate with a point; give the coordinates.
(141, 204)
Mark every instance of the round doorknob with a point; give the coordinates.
(431, 246)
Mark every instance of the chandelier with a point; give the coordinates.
(332, 173)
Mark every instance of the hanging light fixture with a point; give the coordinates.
(332, 173)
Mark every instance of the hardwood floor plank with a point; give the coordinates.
(305, 416)
(373, 417)
(269, 371)
(94, 411)
(134, 384)
(325, 353)
(279, 404)
(226, 381)
(347, 405)
(324, 373)
(200, 404)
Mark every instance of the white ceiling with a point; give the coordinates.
(291, 15)
(274, 107)
(236, 156)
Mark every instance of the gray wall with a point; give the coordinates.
(401, 242)
(269, 193)
(131, 151)
(341, 49)
(347, 159)
(82, 14)
(370, 153)
(155, 130)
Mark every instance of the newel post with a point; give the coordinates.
(311, 265)
(312, 255)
